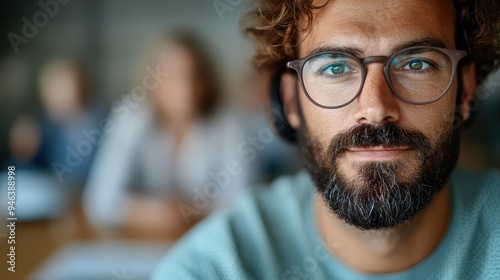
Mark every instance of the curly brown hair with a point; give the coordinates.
(275, 25)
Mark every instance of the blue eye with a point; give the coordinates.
(416, 65)
(335, 69)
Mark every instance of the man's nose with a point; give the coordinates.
(376, 103)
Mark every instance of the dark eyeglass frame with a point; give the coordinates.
(454, 55)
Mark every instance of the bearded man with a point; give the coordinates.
(375, 94)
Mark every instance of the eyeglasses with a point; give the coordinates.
(416, 75)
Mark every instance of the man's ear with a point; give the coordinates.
(289, 97)
(469, 83)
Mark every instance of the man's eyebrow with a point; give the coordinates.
(426, 41)
(332, 48)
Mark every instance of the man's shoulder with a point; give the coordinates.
(474, 187)
(246, 239)
(476, 211)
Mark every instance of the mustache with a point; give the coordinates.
(388, 135)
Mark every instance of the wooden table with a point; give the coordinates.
(35, 241)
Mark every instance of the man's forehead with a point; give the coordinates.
(375, 27)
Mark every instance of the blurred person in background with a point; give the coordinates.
(170, 157)
(49, 148)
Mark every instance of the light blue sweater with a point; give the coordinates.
(271, 235)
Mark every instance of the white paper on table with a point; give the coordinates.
(107, 260)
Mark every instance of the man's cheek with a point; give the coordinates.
(325, 132)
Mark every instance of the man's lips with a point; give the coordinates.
(378, 152)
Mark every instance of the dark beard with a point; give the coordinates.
(380, 197)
